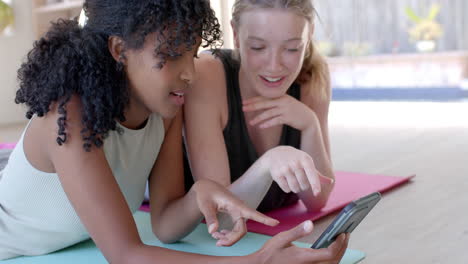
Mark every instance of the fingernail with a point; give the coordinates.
(219, 244)
(326, 180)
(343, 237)
(315, 190)
(272, 223)
(212, 228)
(308, 226)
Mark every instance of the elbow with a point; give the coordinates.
(167, 239)
(131, 253)
(164, 236)
(317, 205)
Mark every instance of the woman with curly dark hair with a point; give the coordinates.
(104, 101)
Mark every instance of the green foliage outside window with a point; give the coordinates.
(425, 28)
(6, 16)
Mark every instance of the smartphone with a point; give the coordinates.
(348, 219)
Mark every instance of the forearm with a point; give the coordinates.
(182, 215)
(253, 185)
(251, 188)
(150, 254)
(312, 142)
(178, 218)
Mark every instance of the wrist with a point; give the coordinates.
(136, 254)
(257, 257)
(263, 164)
(312, 123)
(191, 198)
(312, 128)
(200, 188)
(192, 193)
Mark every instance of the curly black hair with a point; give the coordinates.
(72, 60)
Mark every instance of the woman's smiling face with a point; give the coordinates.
(272, 45)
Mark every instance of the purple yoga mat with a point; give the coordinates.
(349, 186)
(7, 145)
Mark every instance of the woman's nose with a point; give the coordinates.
(275, 63)
(188, 75)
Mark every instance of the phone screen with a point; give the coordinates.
(348, 219)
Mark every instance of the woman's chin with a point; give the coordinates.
(168, 112)
(269, 92)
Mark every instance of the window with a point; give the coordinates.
(7, 17)
(223, 9)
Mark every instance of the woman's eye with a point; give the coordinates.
(257, 48)
(293, 50)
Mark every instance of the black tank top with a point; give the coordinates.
(240, 149)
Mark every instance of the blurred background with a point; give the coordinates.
(389, 49)
(385, 50)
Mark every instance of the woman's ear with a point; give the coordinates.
(117, 49)
(236, 35)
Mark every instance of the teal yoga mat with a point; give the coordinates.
(199, 241)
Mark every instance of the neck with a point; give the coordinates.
(136, 114)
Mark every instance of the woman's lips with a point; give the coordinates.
(177, 98)
(272, 81)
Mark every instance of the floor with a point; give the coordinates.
(11, 133)
(425, 221)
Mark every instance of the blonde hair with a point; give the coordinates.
(314, 66)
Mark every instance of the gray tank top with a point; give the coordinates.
(36, 216)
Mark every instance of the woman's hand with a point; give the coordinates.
(213, 198)
(280, 249)
(294, 170)
(284, 110)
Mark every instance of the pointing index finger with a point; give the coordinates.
(313, 177)
(252, 214)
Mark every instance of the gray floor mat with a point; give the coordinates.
(4, 155)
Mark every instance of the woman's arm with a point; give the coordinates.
(205, 114)
(169, 205)
(174, 211)
(310, 117)
(95, 195)
(166, 184)
(204, 123)
(315, 141)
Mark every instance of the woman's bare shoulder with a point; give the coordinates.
(41, 136)
(210, 73)
(209, 87)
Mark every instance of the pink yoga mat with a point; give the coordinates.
(348, 187)
(7, 145)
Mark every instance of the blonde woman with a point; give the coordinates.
(256, 118)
